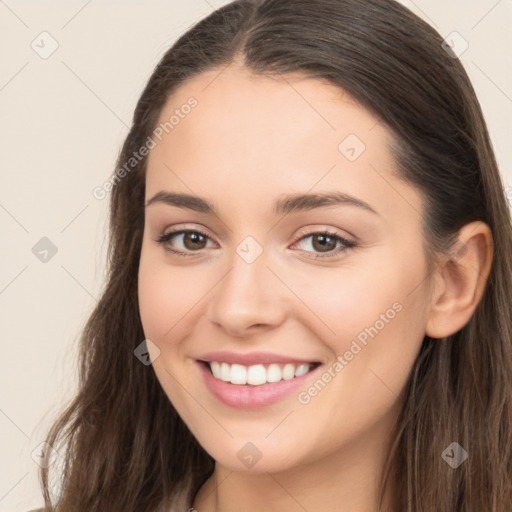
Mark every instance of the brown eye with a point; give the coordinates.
(193, 240)
(325, 244)
(190, 240)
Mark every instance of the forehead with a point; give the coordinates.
(234, 103)
(262, 135)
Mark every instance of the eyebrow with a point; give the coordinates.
(287, 204)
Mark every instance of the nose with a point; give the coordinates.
(249, 298)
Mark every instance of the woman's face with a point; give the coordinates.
(259, 282)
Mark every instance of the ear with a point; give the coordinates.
(460, 280)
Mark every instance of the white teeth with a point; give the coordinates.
(274, 373)
(288, 371)
(225, 372)
(301, 370)
(215, 367)
(257, 374)
(238, 374)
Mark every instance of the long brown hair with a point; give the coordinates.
(123, 445)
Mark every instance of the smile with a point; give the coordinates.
(257, 385)
(258, 374)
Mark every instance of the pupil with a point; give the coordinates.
(194, 237)
(323, 243)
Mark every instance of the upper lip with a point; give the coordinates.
(251, 358)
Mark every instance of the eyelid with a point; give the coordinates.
(324, 229)
(302, 234)
(180, 228)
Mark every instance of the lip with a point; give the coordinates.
(252, 397)
(251, 358)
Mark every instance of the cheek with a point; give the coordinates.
(387, 280)
(166, 299)
(154, 304)
(353, 297)
(380, 324)
(378, 333)
(166, 295)
(376, 316)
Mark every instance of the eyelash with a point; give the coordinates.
(347, 244)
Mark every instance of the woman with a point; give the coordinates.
(308, 298)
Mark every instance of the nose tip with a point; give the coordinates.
(246, 300)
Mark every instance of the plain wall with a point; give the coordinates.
(63, 120)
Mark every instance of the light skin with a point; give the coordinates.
(250, 141)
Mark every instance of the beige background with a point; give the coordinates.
(64, 118)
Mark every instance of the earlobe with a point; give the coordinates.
(461, 276)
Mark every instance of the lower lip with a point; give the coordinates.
(252, 397)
